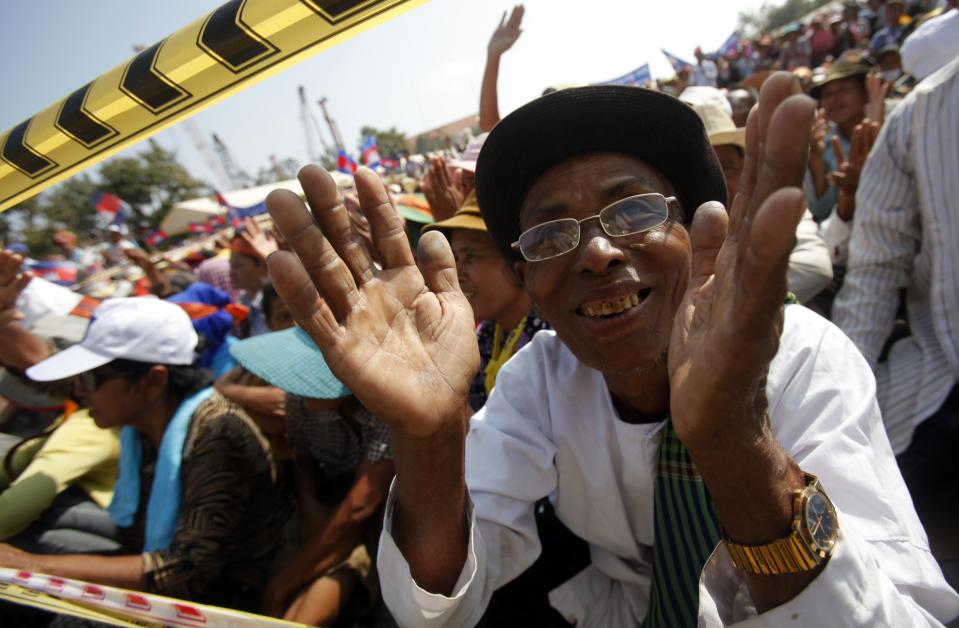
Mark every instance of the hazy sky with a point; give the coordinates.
(416, 72)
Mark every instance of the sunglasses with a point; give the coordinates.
(625, 217)
(92, 380)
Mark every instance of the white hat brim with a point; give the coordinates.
(69, 362)
(463, 164)
(736, 137)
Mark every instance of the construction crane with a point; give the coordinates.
(311, 127)
(330, 122)
(236, 174)
(221, 177)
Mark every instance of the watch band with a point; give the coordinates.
(783, 556)
(793, 554)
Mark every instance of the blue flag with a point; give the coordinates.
(677, 63)
(345, 163)
(639, 77)
(370, 155)
(729, 46)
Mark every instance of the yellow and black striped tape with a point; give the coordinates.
(236, 45)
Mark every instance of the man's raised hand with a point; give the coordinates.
(727, 329)
(400, 336)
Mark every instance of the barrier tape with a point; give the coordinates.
(119, 607)
(235, 46)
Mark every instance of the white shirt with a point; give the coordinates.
(835, 233)
(550, 429)
(703, 73)
(905, 235)
(810, 264)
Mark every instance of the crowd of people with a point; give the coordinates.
(732, 394)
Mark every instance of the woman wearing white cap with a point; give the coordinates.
(204, 530)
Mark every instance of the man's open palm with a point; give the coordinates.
(727, 329)
(400, 336)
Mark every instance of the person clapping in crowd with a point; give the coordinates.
(843, 99)
(671, 346)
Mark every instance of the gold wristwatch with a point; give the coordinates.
(815, 529)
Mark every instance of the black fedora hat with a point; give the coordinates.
(649, 125)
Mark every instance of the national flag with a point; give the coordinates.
(155, 237)
(345, 163)
(370, 156)
(216, 221)
(59, 272)
(107, 203)
(678, 64)
(199, 227)
(391, 163)
(639, 77)
(729, 46)
(231, 211)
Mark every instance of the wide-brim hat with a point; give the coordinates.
(649, 125)
(289, 360)
(466, 217)
(839, 70)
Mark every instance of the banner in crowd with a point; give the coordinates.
(678, 64)
(371, 155)
(728, 47)
(639, 77)
(345, 163)
(119, 607)
(231, 48)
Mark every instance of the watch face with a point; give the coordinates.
(821, 521)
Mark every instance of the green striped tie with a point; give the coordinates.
(686, 533)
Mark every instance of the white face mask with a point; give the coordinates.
(891, 75)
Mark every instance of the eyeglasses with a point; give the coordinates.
(92, 380)
(628, 216)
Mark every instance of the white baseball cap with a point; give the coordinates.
(143, 329)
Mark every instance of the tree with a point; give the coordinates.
(151, 182)
(68, 205)
(389, 142)
(770, 17)
(278, 170)
(429, 143)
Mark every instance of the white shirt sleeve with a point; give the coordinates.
(824, 412)
(810, 268)
(509, 467)
(851, 591)
(835, 233)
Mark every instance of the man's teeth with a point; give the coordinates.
(605, 307)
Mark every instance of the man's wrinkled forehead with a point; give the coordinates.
(590, 178)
